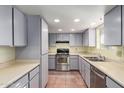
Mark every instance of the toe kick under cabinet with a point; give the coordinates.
(30, 80)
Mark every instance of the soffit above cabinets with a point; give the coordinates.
(87, 14)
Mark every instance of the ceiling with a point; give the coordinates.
(88, 15)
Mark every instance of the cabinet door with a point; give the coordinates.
(92, 37)
(74, 63)
(111, 84)
(83, 69)
(59, 37)
(112, 27)
(6, 36)
(51, 63)
(72, 40)
(87, 76)
(86, 38)
(34, 83)
(44, 70)
(20, 31)
(80, 65)
(44, 37)
(65, 37)
(78, 39)
(52, 39)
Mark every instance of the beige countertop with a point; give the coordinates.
(13, 72)
(114, 70)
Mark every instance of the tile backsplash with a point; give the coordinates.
(62, 45)
(6, 54)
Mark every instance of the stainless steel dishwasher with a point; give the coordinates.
(97, 79)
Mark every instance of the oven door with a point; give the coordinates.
(62, 63)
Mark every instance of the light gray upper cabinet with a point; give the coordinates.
(112, 27)
(59, 37)
(76, 39)
(6, 36)
(13, 27)
(65, 37)
(89, 37)
(20, 31)
(62, 37)
(52, 39)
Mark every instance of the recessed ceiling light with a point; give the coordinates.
(93, 24)
(76, 20)
(59, 30)
(56, 20)
(72, 29)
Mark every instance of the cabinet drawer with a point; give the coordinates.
(111, 84)
(34, 83)
(34, 72)
(20, 83)
(52, 56)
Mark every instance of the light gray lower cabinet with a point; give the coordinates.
(34, 78)
(85, 72)
(111, 84)
(34, 82)
(20, 83)
(83, 68)
(30, 80)
(74, 62)
(51, 62)
(87, 76)
(80, 64)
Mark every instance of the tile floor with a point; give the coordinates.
(71, 79)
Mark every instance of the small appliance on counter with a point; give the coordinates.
(62, 59)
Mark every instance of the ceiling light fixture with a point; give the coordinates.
(92, 24)
(56, 20)
(59, 30)
(72, 29)
(76, 20)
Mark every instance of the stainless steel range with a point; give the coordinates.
(62, 59)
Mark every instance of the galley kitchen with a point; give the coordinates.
(49, 46)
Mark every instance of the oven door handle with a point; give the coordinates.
(101, 76)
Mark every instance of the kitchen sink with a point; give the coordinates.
(100, 59)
